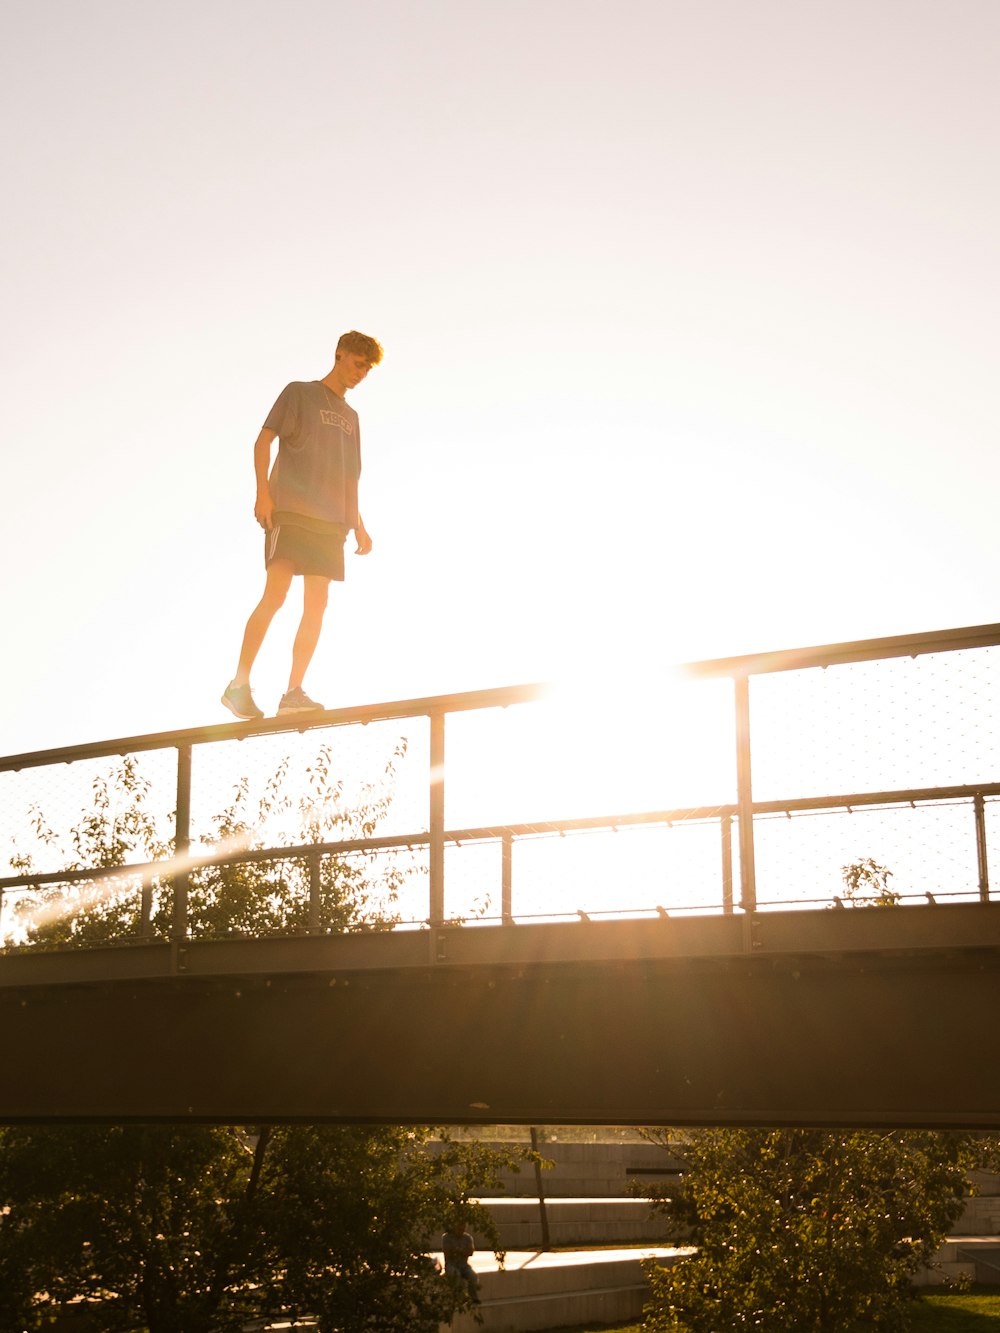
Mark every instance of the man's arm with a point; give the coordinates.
(263, 510)
(363, 539)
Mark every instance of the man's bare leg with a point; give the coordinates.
(279, 580)
(316, 591)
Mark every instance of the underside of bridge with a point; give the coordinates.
(847, 1018)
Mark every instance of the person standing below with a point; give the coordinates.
(306, 504)
(458, 1247)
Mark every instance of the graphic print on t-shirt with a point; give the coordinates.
(329, 417)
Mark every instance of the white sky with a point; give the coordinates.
(689, 309)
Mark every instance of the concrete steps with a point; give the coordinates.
(537, 1290)
(981, 1216)
(550, 1290)
(589, 1221)
(594, 1170)
(974, 1257)
(587, 1204)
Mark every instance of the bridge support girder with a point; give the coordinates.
(863, 1039)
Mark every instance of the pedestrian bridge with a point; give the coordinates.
(387, 913)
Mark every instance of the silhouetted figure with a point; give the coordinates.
(458, 1248)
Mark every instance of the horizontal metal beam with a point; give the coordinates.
(856, 650)
(501, 697)
(787, 659)
(969, 926)
(522, 829)
(826, 1018)
(882, 1040)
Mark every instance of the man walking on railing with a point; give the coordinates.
(306, 504)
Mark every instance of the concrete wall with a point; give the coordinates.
(595, 1221)
(550, 1291)
(593, 1170)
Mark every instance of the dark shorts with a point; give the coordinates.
(310, 552)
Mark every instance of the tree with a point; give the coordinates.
(866, 884)
(137, 1218)
(118, 824)
(348, 1212)
(187, 1228)
(229, 897)
(803, 1229)
(192, 1228)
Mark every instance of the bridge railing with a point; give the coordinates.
(745, 783)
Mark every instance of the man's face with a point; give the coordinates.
(355, 367)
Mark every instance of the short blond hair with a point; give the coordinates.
(360, 345)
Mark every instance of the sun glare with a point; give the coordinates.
(596, 748)
(606, 743)
(121, 881)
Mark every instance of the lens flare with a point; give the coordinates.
(114, 883)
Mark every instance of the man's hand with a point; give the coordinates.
(364, 541)
(263, 510)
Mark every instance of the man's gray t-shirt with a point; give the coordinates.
(315, 475)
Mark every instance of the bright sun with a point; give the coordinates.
(595, 747)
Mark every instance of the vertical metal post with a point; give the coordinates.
(314, 892)
(506, 877)
(436, 817)
(542, 1213)
(744, 795)
(146, 911)
(726, 826)
(182, 840)
(979, 805)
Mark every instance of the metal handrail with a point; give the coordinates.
(749, 664)
(522, 829)
(508, 833)
(437, 708)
